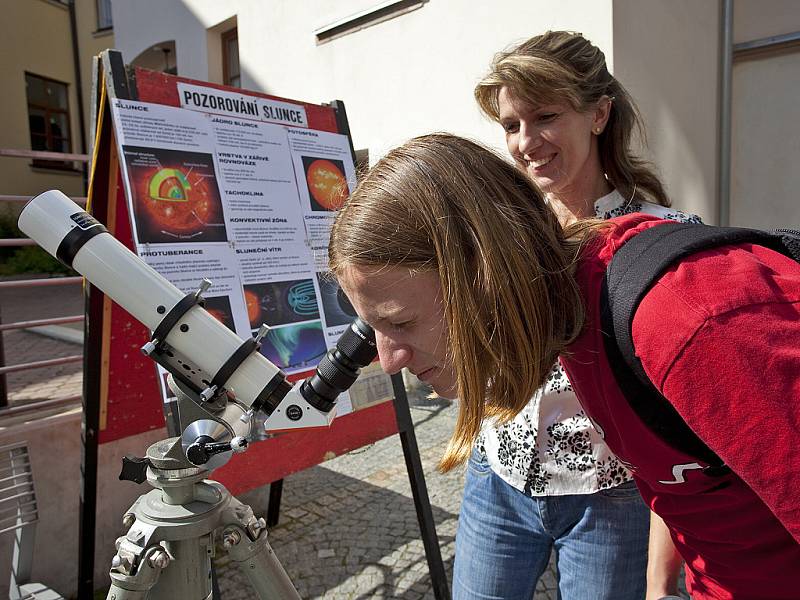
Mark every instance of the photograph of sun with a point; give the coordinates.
(327, 184)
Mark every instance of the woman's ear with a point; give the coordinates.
(601, 114)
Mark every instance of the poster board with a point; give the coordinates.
(235, 186)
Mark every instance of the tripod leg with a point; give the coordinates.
(189, 574)
(257, 560)
(137, 586)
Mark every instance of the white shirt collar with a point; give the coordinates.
(608, 203)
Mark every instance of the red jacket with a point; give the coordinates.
(719, 336)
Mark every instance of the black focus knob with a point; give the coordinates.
(134, 469)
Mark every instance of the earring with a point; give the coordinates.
(597, 130)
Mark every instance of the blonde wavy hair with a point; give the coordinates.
(562, 66)
(448, 205)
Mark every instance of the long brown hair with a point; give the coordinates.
(560, 66)
(445, 204)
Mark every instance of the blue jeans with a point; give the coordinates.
(504, 540)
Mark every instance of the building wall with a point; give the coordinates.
(765, 119)
(756, 19)
(415, 73)
(184, 22)
(48, 53)
(406, 76)
(667, 55)
(91, 42)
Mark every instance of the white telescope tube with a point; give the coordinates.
(206, 343)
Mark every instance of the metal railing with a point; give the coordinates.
(5, 369)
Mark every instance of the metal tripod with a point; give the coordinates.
(167, 551)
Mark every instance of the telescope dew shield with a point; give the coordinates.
(66, 231)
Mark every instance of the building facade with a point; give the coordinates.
(408, 67)
(45, 63)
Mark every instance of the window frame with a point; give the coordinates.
(98, 11)
(225, 39)
(48, 135)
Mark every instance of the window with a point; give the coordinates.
(389, 9)
(48, 118)
(104, 14)
(230, 58)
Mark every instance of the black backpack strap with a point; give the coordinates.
(630, 275)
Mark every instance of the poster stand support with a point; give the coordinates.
(419, 489)
(112, 81)
(101, 196)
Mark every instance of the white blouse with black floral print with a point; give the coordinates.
(551, 448)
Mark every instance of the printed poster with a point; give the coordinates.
(237, 189)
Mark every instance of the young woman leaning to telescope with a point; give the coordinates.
(469, 280)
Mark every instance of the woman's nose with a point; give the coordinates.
(392, 355)
(528, 139)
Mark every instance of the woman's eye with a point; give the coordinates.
(401, 326)
(547, 117)
(510, 127)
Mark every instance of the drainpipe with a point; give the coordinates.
(726, 77)
(73, 26)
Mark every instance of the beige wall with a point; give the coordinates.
(36, 38)
(20, 52)
(765, 132)
(667, 55)
(765, 142)
(756, 19)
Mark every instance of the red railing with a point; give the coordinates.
(5, 409)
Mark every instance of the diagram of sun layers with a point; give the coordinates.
(175, 196)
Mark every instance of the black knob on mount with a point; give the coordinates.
(134, 469)
(204, 447)
(198, 452)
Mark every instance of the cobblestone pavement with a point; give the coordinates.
(348, 528)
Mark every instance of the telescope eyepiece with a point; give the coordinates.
(340, 367)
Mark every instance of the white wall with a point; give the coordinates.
(415, 73)
(410, 75)
(138, 24)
